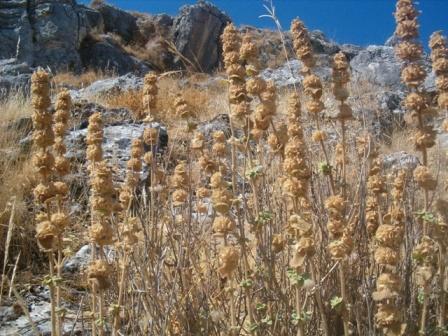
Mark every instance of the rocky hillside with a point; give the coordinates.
(66, 36)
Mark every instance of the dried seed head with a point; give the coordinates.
(413, 75)
(425, 253)
(372, 216)
(198, 141)
(46, 235)
(302, 44)
(389, 235)
(183, 110)
(388, 317)
(424, 178)
(231, 39)
(341, 248)
(150, 91)
(304, 249)
(313, 86)
(416, 102)
(100, 232)
(60, 220)
(386, 256)
(278, 243)
(424, 138)
(98, 274)
(249, 51)
(409, 51)
(229, 257)
(319, 136)
(223, 225)
(151, 136)
(388, 286)
(407, 29)
(44, 191)
(180, 197)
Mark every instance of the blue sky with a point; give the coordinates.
(345, 21)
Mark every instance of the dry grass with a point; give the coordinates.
(78, 81)
(16, 176)
(206, 96)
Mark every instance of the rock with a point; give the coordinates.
(377, 65)
(109, 86)
(392, 41)
(11, 84)
(163, 23)
(57, 31)
(116, 144)
(105, 54)
(289, 73)
(94, 19)
(350, 50)
(322, 45)
(219, 123)
(79, 261)
(286, 75)
(443, 138)
(118, 21)
(9, 313)
(400, 160)
(380, 110)
(12, 67)
(13, 19)
(44, 33)
(196, 34)
(82, 110)
(39, 308)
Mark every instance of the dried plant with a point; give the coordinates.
(288, 221)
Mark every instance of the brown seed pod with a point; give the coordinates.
(223, 225)
(98, 274)
(46, 235)
(229, 257)
(424, 178)
(388, 286)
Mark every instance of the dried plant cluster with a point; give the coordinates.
(50, 194)
(289, 223)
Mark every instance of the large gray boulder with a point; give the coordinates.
(58, 31)
(196, 33)
(45, 33)
(15, 30)
(108, 86)
(118, 21)
(109, 56)
(377, 65)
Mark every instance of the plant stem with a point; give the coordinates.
(320, 304)
(300, 331)
(54, 329)
(442, 308)
(344, 299)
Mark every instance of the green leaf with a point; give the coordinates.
(325, 168)
(264, 217)
(295, 278)
(267, 321)
(426, 216)
(253, 327)
(247, 283)
(260, 306)
(254, 172)
(421, 296)
(336, 302)
(294, 318)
